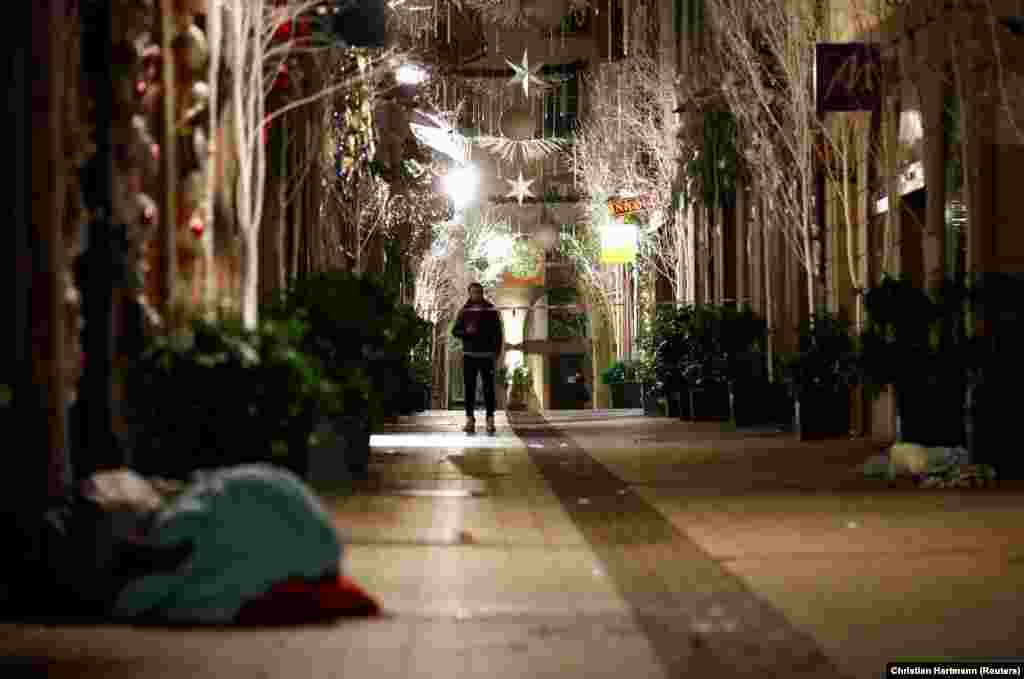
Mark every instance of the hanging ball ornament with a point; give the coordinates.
(517, 124)
(196, 225)
(546, 237)
(547, 13)
(149, 211)
(192, 48)
(148, 214)
(284, 79)
(151, 63)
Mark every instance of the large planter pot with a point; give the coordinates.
(750, 403)
(684, 405)
(672, 400)
(992, 426)
(339, 457)
(781, 406)
(709, 401)
(931, 414)
(650, 400)
(822, 414)
(420, 395)
(627, 395)
(517, 398)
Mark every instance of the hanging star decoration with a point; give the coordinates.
(520, 150)
(525, 75)
(520, 188)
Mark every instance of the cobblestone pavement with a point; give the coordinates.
(609, 544)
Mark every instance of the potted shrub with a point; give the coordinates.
(422, 374)
(911, 343)
(742, 340)
(357, 328)
(667, 340)
(646, 375)
(219, 395)
(706, 365)
(621, 378)
(996, 371)
(502, 380)
(521, 380)
(820, 375)
(6, 402)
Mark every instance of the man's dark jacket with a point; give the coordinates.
(484, 318)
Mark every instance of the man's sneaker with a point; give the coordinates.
(490, 424)
(470, 427)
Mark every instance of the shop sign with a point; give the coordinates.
(848, 77)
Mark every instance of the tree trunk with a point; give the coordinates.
(168, 272)
(41, 395)
(250, 279)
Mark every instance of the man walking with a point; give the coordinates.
(478, 325)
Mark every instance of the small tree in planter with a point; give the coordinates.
(422, 369)
(911, 342)
(621, 378)
(668, 340)
(996, 370)
(706, 368)
(221, 395)
(742, 338)
(521, 379)
(647, 377)
(502, 380)
(356, 327)
(820, 375)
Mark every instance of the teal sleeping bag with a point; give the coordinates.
(250, 526)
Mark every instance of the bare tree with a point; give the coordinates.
(246, 43)
(767, 56)
(627, 146)
(598, 283)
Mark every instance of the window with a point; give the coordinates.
(560, 103)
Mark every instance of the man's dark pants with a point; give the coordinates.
(471, 367)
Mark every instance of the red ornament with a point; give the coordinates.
(196, 226)
(151, 62)
(284, 31)
(149, 216)
(283, 79)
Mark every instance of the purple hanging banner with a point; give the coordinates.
(848, 77)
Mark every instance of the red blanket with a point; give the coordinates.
(297, 601)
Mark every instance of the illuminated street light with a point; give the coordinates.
(410, 74)
(500, 247)
(462, 184)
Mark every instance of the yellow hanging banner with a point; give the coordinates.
(618, 243)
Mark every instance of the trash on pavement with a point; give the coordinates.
(931, 467)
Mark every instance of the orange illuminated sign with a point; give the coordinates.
(620, 207)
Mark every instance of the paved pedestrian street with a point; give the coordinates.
(607, 544)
